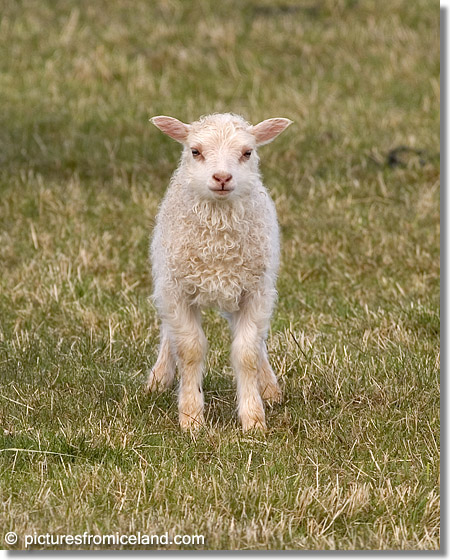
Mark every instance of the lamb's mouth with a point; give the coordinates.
(222, 192)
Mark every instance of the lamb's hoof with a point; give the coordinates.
(255, 421)
(272, 393)
(158, 381)
(191, 422)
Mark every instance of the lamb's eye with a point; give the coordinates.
(195, 152)
(247, 154)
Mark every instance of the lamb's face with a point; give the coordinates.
(219, 158)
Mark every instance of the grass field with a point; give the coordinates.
(351, 456)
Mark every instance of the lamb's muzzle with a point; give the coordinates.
(222, 183)
(222, 178)
(206, 252)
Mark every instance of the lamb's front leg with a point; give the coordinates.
(190, 344)
(249, 328)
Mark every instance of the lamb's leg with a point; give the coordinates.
(163, 372)
(267, 382)
(249, 324)
(190, 343)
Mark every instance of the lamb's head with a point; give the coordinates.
(219, 159)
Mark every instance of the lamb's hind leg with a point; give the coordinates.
(269, 388)
(163, 372)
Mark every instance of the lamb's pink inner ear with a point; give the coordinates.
(172, 127)
(267, 130)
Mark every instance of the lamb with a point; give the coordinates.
(216, 243)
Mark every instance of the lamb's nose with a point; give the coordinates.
(222, 178)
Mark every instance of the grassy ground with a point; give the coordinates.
(351, 457)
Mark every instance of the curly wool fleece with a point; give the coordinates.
(211, 253)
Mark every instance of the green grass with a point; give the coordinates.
(351, 457)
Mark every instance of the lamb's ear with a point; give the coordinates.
(172, 127)
(266, 131)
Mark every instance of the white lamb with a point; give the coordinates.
(216, 243)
